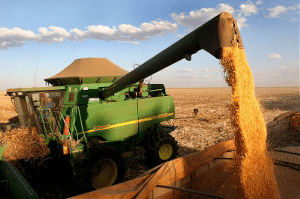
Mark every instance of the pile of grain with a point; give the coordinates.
(254, 168)
(23, 143)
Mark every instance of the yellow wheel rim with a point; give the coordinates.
(104, 173)
(165, 151)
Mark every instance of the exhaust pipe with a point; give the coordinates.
(219, 32)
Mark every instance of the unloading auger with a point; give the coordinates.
(219, 32)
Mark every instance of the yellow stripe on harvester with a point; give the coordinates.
(112, 126)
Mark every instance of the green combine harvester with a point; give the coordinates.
(108, 111)
(106, 127)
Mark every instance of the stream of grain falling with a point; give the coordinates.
(254, 168)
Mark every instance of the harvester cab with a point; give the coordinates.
(108, 110)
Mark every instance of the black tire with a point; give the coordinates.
(103, 157)
(156, 143)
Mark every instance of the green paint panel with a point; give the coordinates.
(156, 108)
(112, 121)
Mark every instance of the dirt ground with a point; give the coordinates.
(212, 123)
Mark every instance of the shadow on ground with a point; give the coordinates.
(284, 103)
(11, 124)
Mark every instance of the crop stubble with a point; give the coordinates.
(212, 123)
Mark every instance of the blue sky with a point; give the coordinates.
(39, 38)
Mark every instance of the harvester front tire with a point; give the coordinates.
(161, 147)
(107, 166)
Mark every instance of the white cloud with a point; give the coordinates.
(275, 56)
(101, 30)
(125, 32)
(52, 34)
(16, 33)
(127, 28)
(295, 8)
(259, 2)
(248, 9)
(198, 17)
(76, 35)
(277, 11)
(14, 37)
(241, 21)
(157, 28)
(78, 32)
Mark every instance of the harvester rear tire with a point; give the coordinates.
(161, 147)
(106, 165)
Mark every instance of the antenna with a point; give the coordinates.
(37, 64)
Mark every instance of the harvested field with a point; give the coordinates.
(7, 111)
(212, 123)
